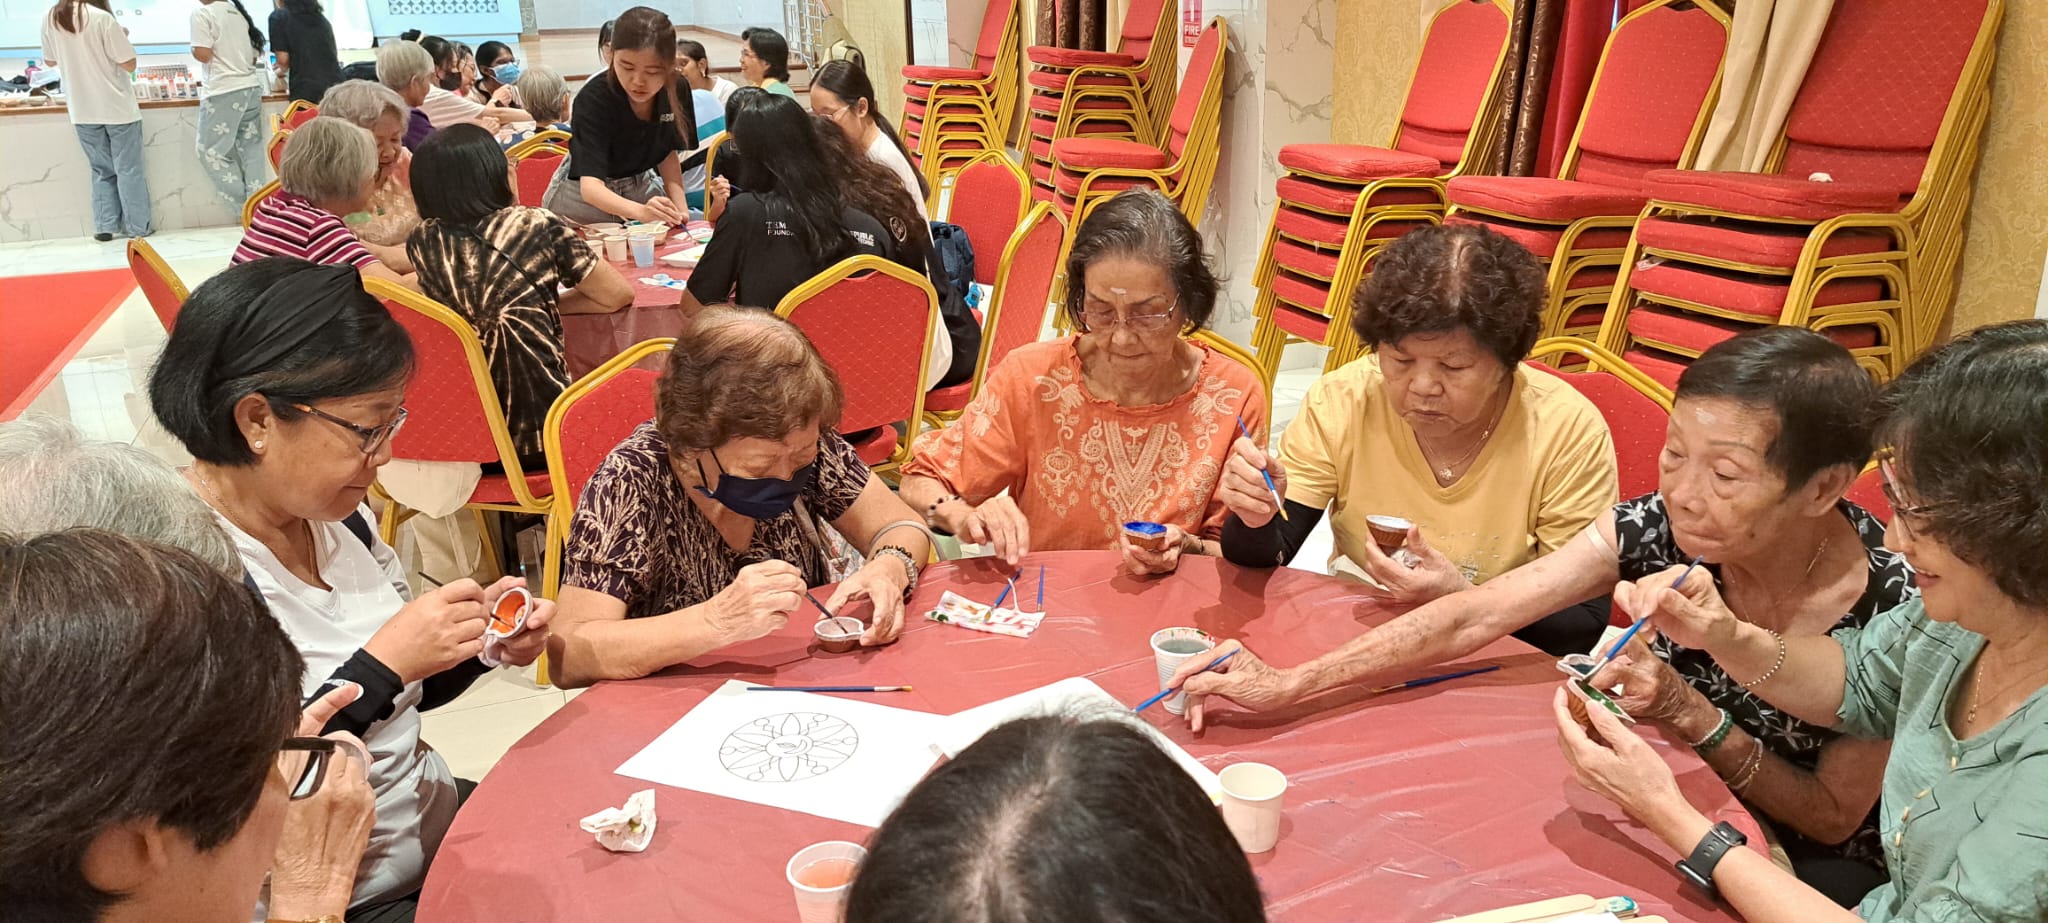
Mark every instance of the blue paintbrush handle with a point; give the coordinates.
(1163, 693)
(1630, 634)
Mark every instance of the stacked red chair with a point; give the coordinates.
(1089, 169)
(1647, 109)
(1338, 204)
(1853, 229)
(1101, 94)
(1017, 307)
(952, 114)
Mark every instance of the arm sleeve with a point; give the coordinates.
(982, 453)
(1308, 450)
(280, 32)
(607, 550)
(1874, 662)
(1579, 482)
(115, 42)
(380, 689)
(572, 257)
(1273, 544)
(202, 29)
(441, 688)
(594, 126)
(841, 477)
(1251, 408)
(716, 273)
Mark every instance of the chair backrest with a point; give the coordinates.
(298, 113)
(455, 413)
(1635, 407)
(596, 413)
(165, 291)
(873, 321)
(1141, 29)
(532, 173)
(988, 198)
(249, 208)
(553, 138)
(1651, 94)
(1881, 86)
(711, 153)
(1454, 77)
(1201, 88)
(1868, 492)
(995, 22)
(1023, 287)
(274, 148)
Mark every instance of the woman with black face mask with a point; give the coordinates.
(444, 106)
(705, 527)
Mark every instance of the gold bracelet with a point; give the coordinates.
(1748, 771)
(1773, 671)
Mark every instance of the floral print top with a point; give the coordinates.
(390, 215)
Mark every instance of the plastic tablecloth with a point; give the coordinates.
(589, 340)
(1412, 806)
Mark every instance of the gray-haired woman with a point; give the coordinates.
(390, 214)
(547, 99)
(328, 171)
(52, 478)
(408, 70)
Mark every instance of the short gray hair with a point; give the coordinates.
(400, 63)
(363, 102)
(328, 160)
(52, 478)
(542, 90)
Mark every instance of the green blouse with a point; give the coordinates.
(1965, 823)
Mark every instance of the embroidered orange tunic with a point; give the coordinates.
(1079, 466)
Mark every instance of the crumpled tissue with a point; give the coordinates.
(625, 829)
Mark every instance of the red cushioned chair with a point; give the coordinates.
(873, 321)
(249, 208)
(298, 113)
(274, 148)
(533, 169)
(1016, 309)
(161, 286)
(1868, 492)
(593, 415)
(1089, 170)
(953, 114)
(1338, 204)
(988, 198)
(1122, 93)
(1635, 407)
(454, 414)
(1890, 112)
(1647, 108)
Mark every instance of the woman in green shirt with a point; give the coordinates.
(1957, 680)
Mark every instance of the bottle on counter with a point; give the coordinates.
(28, 74)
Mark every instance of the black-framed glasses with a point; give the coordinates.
(1105, 320)
(373, 437)
(303, 763)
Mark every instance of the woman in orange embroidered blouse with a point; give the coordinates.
(1128, 420)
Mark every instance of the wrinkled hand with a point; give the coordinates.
(1141, 562)
(1245, 680)
(996, 522)
(1622, 769)
(524, 647)
(1241, 488)
(758, 602)
(1692, 615)
(661, 209)
(1651, 689)
(880, 581)
(314, 869)
(439, 629)
(1432, 576)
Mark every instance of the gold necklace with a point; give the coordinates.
(1446, 472)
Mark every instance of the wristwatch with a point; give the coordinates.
(1698, 868)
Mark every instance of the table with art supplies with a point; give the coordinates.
(1422, 802)
(591, 339)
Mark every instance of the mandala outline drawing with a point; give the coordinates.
(788, 747)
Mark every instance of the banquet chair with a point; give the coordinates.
(711, 153)
(873, 321)
(249, 208)
(1339, 204)
(159, 284)
(273, 149)
(1634, 405)
(1017, 307)
(988, 197)
(533, 169)
(298, 113)
(1087, 170)
(954, 114)
(1853, 227)
(1868, 492)
(593, 415)
(455, 414)
(1121, 94)
(1646, 109)
(553, 138)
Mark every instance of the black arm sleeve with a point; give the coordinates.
(441, 688)
(1273, 544)
(380, 685)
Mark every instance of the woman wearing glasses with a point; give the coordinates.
(286, 382)
(1128, 420)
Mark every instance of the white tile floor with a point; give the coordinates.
(103, 391)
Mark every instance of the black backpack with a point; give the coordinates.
(956, 256)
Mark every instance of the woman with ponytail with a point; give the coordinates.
(83, 38)
(842, 92)
(632, 123)
(225, 42)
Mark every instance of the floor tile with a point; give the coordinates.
(472, 740)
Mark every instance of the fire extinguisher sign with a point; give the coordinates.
(1190, 22)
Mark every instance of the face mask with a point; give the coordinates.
(506, 73)
(756, 498)
(451, 80)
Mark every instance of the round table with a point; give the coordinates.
(1415, 805)
(589, 340)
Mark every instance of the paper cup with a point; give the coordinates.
(1388, 532)
(1251, 804)
(508, 616)
(615, 247)
(642, 246)
(1150, 536)
(822, 873)
(838, 634)
(1170, 648)
(596, 243)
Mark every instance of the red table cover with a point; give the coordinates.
(1416, 805)
(589, 340)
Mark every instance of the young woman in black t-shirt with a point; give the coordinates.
(631, 122)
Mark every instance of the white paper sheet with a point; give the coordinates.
(840, 758)
(1074, 696)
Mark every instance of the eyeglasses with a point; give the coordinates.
(373, 437)
(1105, 321)
(1888, 480)
(832, 114)
(303, 763)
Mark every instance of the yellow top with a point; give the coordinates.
(1542, 477)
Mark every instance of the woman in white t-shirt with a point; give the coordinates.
(82, 38)
(225, 42)
(842, 92)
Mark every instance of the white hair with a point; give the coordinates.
(328, 160)
(52, 478)
(402, 62)
(363, 102)
(543, 91)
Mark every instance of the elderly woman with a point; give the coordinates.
(1066, 818)
(329, 170)
(1128, 420)
(705, 527)
(175, 806)
(405, 68)
(1955, 680)
(1769, 429)
(764, 60)
(286, 382)
(390, 214)
(52, 478)
(547, 100)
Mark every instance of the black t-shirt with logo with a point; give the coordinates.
(755, 259)
(610, 142)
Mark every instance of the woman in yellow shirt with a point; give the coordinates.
(1492, 464)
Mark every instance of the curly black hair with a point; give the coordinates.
(1438, 279)
(1968, 426)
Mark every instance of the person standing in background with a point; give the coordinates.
(303, 41)
(83, 38)
(225, 42)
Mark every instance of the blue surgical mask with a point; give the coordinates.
(756, 498)
(506, 73)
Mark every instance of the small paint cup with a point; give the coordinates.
(1150, 536)
(838, 634)
(642, 246)
(1251, 804)
(509, 614)
(1388, 532)
(596, 243)
(821, 874)
(615, 247)
(1171, 647)
(605, 227)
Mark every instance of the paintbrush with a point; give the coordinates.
(1626, 636)
(1432, 680)
(828, 688)
(1275, 491)
(1163, 693)
(825, 613)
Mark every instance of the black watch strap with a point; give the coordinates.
(1698, 868)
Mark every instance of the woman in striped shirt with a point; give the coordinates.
(329, 170)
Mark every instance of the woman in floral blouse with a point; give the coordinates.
(1129, 420)
(390, 214)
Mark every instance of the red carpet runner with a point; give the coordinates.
(44, 320)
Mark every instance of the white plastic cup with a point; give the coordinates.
(596, 243)
(1251, 804)
(642, 246)
(1170, 648)
(615, 247)
(822, 873)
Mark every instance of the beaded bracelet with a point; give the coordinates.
(1705, 745)
(909, 565)
(1773, 671)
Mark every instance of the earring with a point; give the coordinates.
(257, 445)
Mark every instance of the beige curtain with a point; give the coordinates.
(1769, 48)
